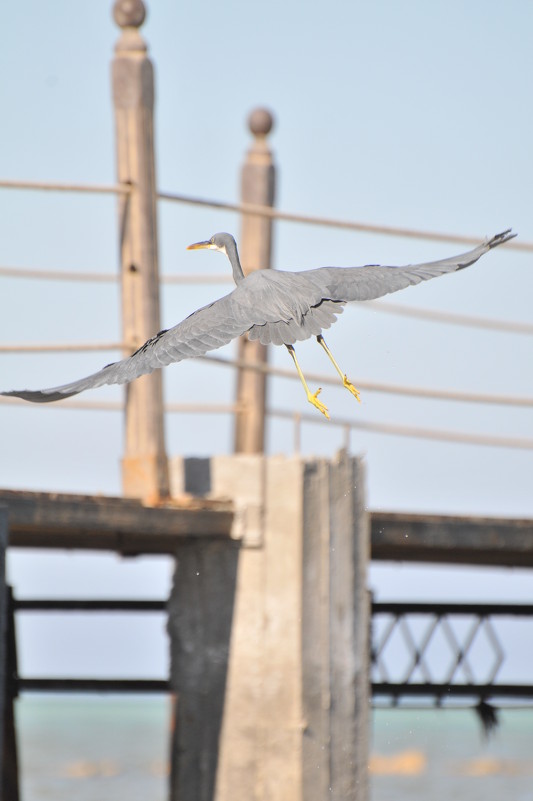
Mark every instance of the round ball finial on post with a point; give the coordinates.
(129, 16)
(129, 13)
(261, 122)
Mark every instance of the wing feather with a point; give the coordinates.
(206, 329)
(373, 281)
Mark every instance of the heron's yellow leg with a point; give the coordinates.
(348, 384)
(312, 398)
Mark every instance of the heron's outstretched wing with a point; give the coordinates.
(295, 306)
(206, 329)
(274, 307)
(373, 281)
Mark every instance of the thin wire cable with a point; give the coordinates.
(57, 275)
(309, 219)
(260, 211)
(112, 278)
(369, 386)
(117, 406)
(458, 437)
(374, 386)
(52, 186)
(508, 326)
(60, 347)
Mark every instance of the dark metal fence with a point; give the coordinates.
(403, 650)
(426, 651)
(87, 685)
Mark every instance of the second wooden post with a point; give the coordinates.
(257, 187)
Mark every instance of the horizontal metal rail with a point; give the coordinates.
(87, 605)
(54, 685)
(482, 610)
(89, 685)
(395, 690)
(441, 691)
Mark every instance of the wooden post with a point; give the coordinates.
(144, 466)
(257, 186)
(294, 723)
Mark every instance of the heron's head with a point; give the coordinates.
(225, 243)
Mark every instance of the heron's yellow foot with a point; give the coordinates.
(318, 404)
(355, 392)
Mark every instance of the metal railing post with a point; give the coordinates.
(258, 180)
(144, 465)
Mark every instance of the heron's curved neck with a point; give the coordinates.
(233, 256)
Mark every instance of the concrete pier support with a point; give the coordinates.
(279, 643)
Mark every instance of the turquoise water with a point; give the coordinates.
(442, 755)
(106, 748)
(100, 748)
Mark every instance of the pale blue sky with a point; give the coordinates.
(405, 114)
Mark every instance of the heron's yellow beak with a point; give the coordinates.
(200, 245)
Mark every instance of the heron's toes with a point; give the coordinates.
(355, 392)
(318, 404)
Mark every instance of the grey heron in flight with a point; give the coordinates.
(273, 306)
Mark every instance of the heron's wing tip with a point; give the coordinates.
(499, 239)
(37, 395)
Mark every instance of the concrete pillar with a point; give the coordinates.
(258, 179)
(295, 667)
(144, 466)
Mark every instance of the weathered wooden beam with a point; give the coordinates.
(455, 540)
(125, 525)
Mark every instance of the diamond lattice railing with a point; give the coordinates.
(441, 649)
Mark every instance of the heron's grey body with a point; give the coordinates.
(275, 307)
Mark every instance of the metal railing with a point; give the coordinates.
(417, 674)
(387, 689)
(86, 685)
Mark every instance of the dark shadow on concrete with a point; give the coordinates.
(199, 625)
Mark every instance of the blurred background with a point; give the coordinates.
(407, 115)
